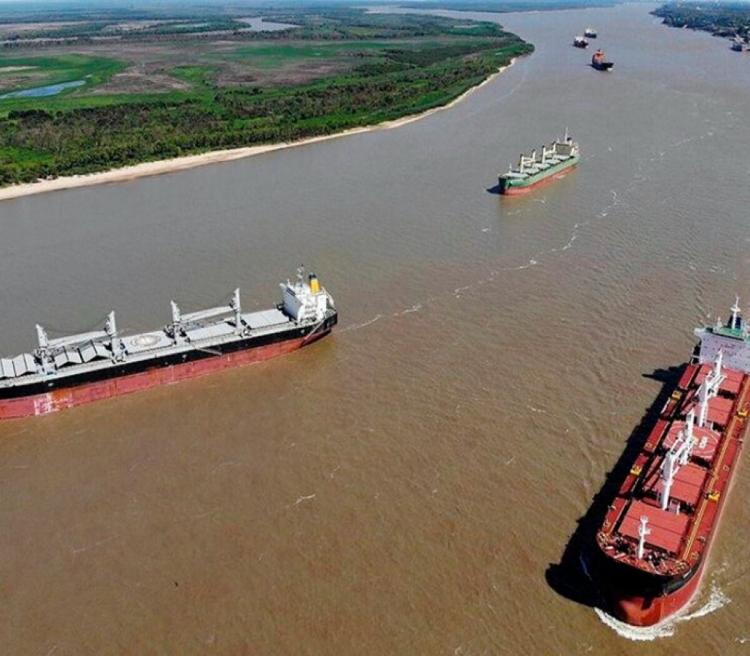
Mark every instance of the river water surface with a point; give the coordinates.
(404, 486)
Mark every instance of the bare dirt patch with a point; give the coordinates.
(26, 79)
(141, 79)
(7, 29)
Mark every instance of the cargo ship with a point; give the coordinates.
(653, 545)
(580, 42)
(590, 33)
(76, 369)
(599, 63)
(553, 162)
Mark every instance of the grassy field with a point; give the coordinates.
(154, 101)
(22, 73)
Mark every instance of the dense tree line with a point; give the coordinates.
(38, 143)
(722, 19)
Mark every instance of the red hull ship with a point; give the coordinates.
(655, 540)
(78, 369)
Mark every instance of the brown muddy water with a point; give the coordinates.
(408, 485)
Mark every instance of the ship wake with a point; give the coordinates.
(717, 599)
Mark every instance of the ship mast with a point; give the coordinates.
(643, 533)
(110, 328)
(237, 311)
(735, 312)
(48, 365)
(709, 388)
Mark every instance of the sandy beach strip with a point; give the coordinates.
(191, 161)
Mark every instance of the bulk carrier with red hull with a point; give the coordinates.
(70, 371)
(654, 543)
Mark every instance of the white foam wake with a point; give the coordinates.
(665, 629)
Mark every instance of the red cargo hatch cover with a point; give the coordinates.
(731, 382)
(667, 528)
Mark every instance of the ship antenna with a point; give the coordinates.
(567, 138)
(735, 312)
(643, 531)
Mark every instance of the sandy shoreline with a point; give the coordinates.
(190, 161)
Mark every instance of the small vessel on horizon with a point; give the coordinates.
(552, 163)
(76, 369)
(653, 544)
(739, 45)
(580, 42)
(590, 33)
(599, 63)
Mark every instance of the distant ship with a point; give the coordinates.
(580, 42)
(599, 63)
(590, 32)
(70, 371)
(653, 545)
(738, 45)
(552, 163)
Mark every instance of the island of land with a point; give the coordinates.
(85, 91)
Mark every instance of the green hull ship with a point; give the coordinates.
(552, 163)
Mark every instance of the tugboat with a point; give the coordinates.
(580, 42)
(654, 542)
(738, 45)
(599, 63)
(590, 32)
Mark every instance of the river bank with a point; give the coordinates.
(162, 167)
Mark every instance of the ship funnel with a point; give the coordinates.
(314, 284)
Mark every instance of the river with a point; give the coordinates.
(410, 484)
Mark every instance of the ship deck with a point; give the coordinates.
(680, 535)
(94, 354)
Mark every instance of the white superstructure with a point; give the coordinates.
(731, 339)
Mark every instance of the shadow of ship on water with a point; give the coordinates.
(569, 578)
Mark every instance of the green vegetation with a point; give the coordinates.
(379, 68)
(719, 18)
(31, 72)
(504, 6)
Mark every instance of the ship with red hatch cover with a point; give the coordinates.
(654, 542)
(76, 369)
